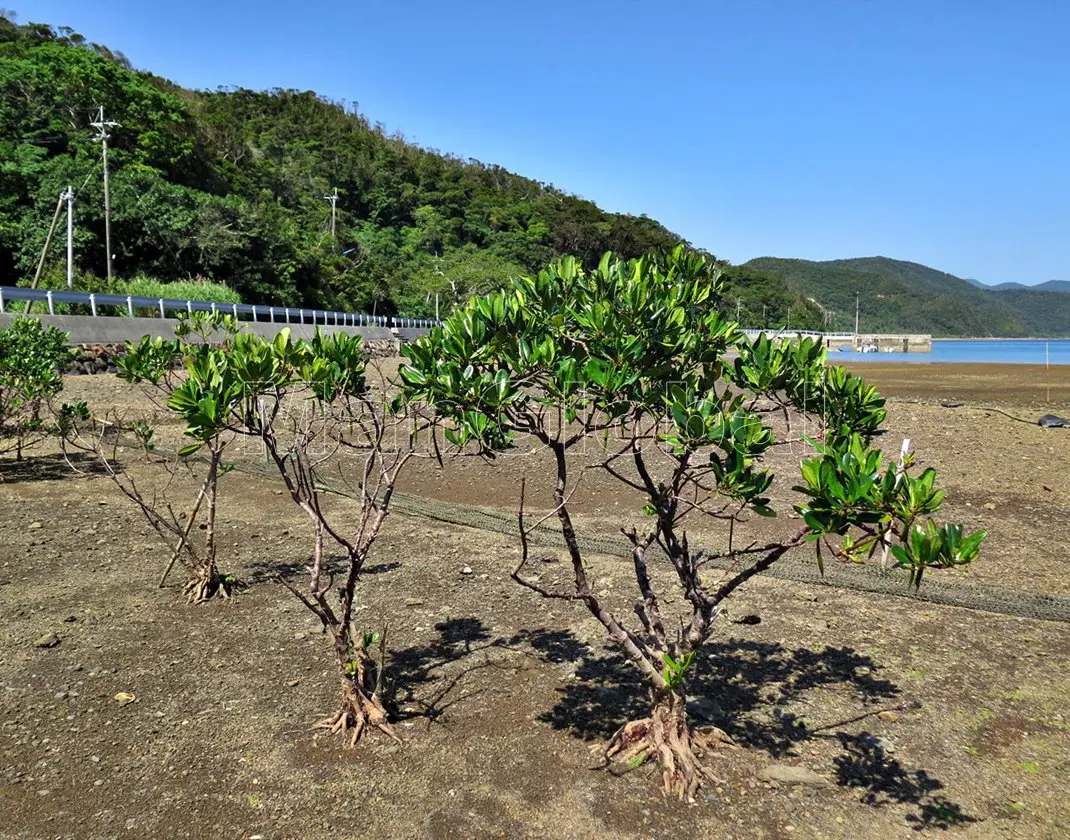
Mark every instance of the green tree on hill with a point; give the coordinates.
(228, 185)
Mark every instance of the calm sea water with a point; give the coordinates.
(1007, 351)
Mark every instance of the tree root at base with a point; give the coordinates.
(665, 737)
(206, 583)
(356, 715)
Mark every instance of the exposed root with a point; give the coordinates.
(666, 738)
(205, 583)
(358, 713)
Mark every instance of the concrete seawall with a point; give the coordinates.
(111, 330)
(101, 340)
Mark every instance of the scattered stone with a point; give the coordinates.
(806, 596)
(48, 640)
(705, 709)
(34, 526)
(748, 619)
(884, 746)
(467, 570)
(125, 698)
(292, 683)
(788, 774)
(989, 506)
(414, 602)
(889, 716)
(1053, 421)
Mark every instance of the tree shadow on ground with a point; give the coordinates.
(52, 467)
(745, 688)
(865, 764)
(419, 685)
(271, 569)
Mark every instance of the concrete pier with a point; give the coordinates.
(884, 343)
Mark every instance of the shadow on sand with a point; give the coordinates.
(745, 687)
(51, 467)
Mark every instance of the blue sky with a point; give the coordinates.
(931, 131)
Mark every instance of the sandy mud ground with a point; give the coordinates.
(909, 718)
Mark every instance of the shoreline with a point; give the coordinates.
(1034, 385)
(1000, 338)
(941, 362)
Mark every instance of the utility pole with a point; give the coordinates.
(856, 312)
(102, 125)
(333, 198)
(737, 309)
(69, 196)
(44, 250)
(763, 316)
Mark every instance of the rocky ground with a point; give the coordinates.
(125, 712)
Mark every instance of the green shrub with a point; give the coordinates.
(205, 290)
(139, 286)
(32, 358)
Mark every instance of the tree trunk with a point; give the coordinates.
(205, 582)
(360, 706)
(666, 737)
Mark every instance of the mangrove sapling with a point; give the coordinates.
(32, 359)
(637, 361)
(103, 438)
(209, 400)
(314, 406)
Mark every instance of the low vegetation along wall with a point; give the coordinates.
(100, 358)
(101, 340)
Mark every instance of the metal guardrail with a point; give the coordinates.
(163, 306)
(268, 314)
(754, 333)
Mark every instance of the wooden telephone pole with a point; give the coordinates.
(333, 198)
(102, 125)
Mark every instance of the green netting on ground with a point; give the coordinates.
(860, 578)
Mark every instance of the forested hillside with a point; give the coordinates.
(900, 296)
(230, 186)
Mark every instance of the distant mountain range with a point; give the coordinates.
(899, 296)
(1048, 286)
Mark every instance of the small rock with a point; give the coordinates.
(467, 570)
(790, 775)
(49, 640)
(989, 506)
(34, 526)
(806, 596)
(889, 716)
(413, 602)
(125, 698)
(292, 683)
(748, 619)
(706, 709)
